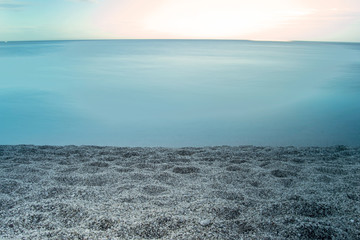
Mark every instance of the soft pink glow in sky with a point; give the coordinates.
(318, 20)
(334, 20)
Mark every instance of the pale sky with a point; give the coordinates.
(283, 20)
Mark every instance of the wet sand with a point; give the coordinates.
(246, 192)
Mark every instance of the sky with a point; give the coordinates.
(274, 20)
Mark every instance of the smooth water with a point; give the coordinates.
(179, 93)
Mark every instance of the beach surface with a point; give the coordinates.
(246, 192)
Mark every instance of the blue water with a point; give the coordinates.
(179, 93)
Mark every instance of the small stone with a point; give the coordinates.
(352, 220)
(205, 222)
(181, 220)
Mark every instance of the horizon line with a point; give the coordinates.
(177, 39)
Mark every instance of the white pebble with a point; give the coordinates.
(205, 222)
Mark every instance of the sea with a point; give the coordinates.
(177, 93)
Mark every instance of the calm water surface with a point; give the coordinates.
(179, 93)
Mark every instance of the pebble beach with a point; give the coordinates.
(245, 192)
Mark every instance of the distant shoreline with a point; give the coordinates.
(140, 39)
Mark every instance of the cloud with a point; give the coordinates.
(11, 5)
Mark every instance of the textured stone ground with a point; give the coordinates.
(90, 192)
